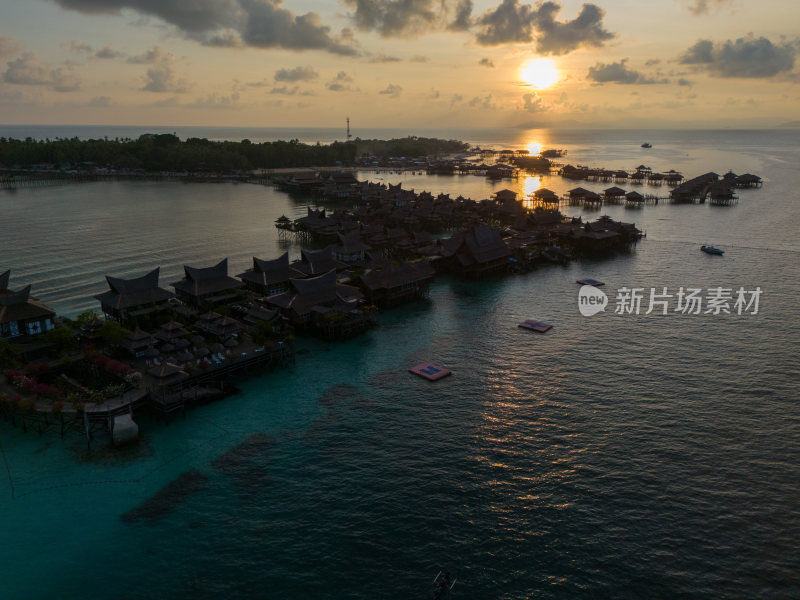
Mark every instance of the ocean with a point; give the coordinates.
(618, 455)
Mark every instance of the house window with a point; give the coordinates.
(34, 327)
(13, 329)
(48, 325)
(276, 289)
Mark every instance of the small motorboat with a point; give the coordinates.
(647, 145)
(712, 250)
(442, 584)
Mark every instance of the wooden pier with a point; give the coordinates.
(189, 390)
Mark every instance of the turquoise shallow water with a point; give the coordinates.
(615, 456)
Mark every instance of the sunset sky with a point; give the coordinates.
(400, 63)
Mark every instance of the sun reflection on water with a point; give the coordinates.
(529, 186)
(534, 148)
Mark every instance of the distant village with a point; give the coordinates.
(164, 350)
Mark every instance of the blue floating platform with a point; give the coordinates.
(430, 371)
(593, 282)
(539, 326)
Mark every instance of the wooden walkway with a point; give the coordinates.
(175, 397)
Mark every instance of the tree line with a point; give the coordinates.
(166, 152)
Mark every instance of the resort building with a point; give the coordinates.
(350, 248)
(391, 284)
(127, 299)
(479, 250)
(318, 299)
(317, 262)
(268, 277)
(209, 284)
(20, 313)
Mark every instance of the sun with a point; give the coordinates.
(539, 73)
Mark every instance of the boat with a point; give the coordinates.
(712, 250)
(442, 584)
(647, 145)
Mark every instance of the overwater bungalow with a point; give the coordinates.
(614, 194)
(546, 196)
(21, 315)
(350, 249)
(304, 182)
(208, 284)
(578, 194)
(322, 303)
(634, 198)
(389, 284)
(268, 277)
(128, 299)
(477, 251)
(571, 172)
(748, 180)
(721, 193)
(259, 314)
(316, 262)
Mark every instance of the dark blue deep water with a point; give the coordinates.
(616, 456)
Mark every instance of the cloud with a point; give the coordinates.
(394, 18)
(703, 7)
(290, 91)
(27, 70)
(76, 46)
(486, 62)
(392, 90)
(618, 73)
(383, 58)
(685, 82)
(161, 76)
(748, 57)
(297, 74)
(533, 103)
(512, 22)
(216, 102)
(456, 99)
(259, 23)
(224, 39)
(9, 46)
(149, 57)
(434, 95)
(107, 52)
(340, 83)
(463, 17)
(484, 103)
(418, 59)
(700, 53)
(100, 102)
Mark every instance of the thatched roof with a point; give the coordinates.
(209, 280)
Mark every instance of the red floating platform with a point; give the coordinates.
(536, 326)
(430, 371)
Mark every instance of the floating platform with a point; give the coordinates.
(430, 371)
(539, 326)
(593, 282)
